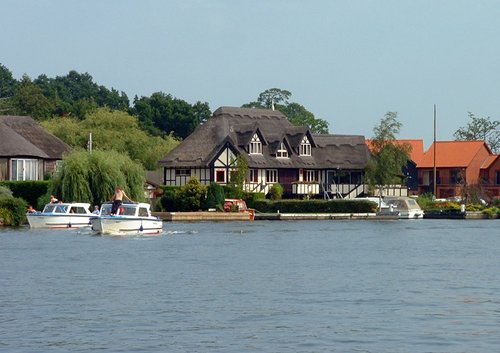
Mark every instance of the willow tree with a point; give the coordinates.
(388, 156)
(92, 177)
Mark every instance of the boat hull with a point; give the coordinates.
(40, 220)
(116, 225)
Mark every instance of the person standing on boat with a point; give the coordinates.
(53, 199)
(118, 199)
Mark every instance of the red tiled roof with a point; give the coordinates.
(489, 161)
(451, 154)
(417, 148)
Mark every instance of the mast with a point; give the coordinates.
(435, 147)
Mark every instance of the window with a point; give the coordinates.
(310, 175)
(220, 176)
(282, 151)
(24, 169)
(455, 176)
(182, 172)
(272, 175)
(497, 177)
(305, 147)
(143, 212)
(254, 176)
(255, 145)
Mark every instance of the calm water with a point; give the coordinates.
(314, 286)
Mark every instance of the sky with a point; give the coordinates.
(347, 62)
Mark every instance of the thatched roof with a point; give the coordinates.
(236, 126)
(21, 136)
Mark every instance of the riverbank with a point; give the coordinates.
(245, 216)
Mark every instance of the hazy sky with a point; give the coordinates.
(348, 62)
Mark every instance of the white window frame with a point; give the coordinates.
(282, 151)
(255, 146)
(271, 176)
(220, 170)
(310, 175)
(23, 169)
(305, 147)
(254, 176)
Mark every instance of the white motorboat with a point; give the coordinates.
(131, 219)
(61, 215)
(405, 207)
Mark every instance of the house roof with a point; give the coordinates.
(489, 161)
(236, 126)
(23, 136)
(417, 148)
(452, 153)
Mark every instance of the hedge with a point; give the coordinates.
(315, 206)
(29, 190)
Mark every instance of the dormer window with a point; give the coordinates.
(305, 147)
(255, 145)
(282, 152)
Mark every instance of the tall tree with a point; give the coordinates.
(296, 113)
(113, 130)
(388, 157)
(479, 128)
(76, 94)
(163, 114)
(7, 83)
(29, 100)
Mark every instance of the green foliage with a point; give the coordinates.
(479, 128)
(12, 210)
(300, 116)
(162, 114)
(113, 130)
(191, 196)
(315, 206)
(276, 192)
(7, 82)
(29, 190)
(30, 100)
(388, 157)
(238, 177)
(5, 191)
(92, 177)
(297, 114)
(77, 95)
(492, 212)
(215, 197)
(167, 201)
(254, 196)
(425, 201)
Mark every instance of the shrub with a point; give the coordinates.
(191, 196)
(492, 212)
(276, 192)
(167, 200)
(12, 210)
(215, 197)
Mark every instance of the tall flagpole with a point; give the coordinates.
(435, 147)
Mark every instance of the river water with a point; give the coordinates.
(263, 286)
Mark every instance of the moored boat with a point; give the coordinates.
(61, 215)
(405, 207)
(131, 219)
